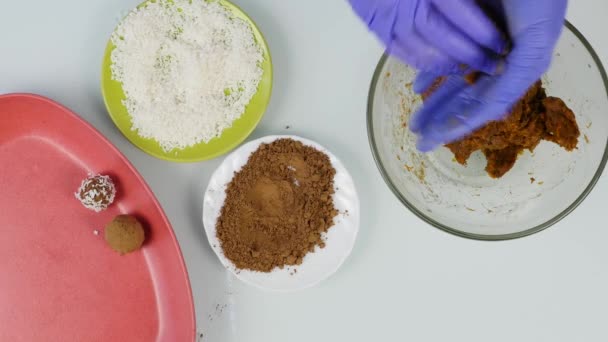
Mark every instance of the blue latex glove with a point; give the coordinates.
(435, 35)
(456, 109)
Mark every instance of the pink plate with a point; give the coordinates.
(58, 280)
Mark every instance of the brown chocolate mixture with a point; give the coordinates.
(277, 206)
(534, 118)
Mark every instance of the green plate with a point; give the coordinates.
(231, 137)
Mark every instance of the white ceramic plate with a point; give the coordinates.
(317, 266)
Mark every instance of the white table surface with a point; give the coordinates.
(405, 280)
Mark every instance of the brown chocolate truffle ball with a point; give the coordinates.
(96, 192)
(125, 234)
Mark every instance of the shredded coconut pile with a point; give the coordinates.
(188, 69)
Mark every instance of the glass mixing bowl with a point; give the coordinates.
(541, 189)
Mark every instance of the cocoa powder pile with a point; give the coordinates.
(277, 206)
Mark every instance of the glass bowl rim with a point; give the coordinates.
(474, 236)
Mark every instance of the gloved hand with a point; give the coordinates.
(435, 35)
(456, 109)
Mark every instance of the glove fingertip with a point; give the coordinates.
(417, 121)
(425, 144)
(437, 100)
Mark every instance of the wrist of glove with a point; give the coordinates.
(435, 35)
